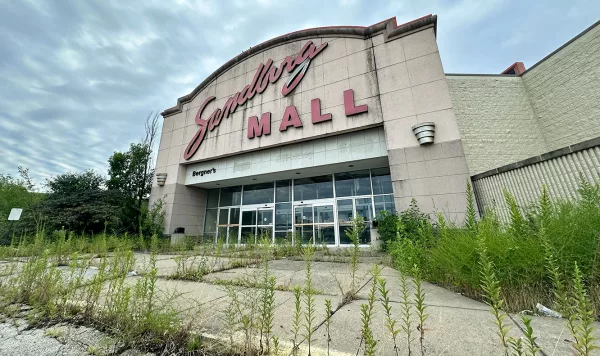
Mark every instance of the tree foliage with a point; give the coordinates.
(87, 201)
(78, 202)
(130, 176)
(16, 193)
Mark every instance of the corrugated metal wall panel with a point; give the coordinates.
(560, 175)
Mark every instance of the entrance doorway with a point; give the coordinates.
(348, 209)
(228, 225)
(256, 222)
(315, 223)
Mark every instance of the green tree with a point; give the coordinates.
(131, 174)
(79, 202)
(16, 193)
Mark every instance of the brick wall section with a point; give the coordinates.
(495, 120)
(564, 91)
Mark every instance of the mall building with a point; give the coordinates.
(308, 130)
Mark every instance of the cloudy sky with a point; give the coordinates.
(78, 77)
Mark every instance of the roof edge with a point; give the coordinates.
(562, 47)
(389, 28)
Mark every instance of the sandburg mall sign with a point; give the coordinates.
(265, 74)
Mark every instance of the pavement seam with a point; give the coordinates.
(523, 332)
(335, 311)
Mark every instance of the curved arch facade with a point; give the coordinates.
(313, 103)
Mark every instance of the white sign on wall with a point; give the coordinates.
(15, 214)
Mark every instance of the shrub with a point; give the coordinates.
(408, 224)
(387, 227)
(447, 255)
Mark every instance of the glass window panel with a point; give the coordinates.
(303, 215)
(345, 211)
(210, 223)
(213, 198)
(313, 188)
(283, 192)
(249, 217)
(283, 216)
(382, 181)
(208, 238)
(233, 235)
(258, 193)
(352, 183)
(365, 236)
(231, 196)
(324, 214)
(344, 236)
(264, 231)
(223, 217)
(364, 209)
(248, 234)
(384, 203)
(222, 233)
(305, 234)
(265, 217)
(234, 216)
(283, 236)
(325, 234)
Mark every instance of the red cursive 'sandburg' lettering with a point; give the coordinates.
(265, 74)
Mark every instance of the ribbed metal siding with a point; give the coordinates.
(560, 175)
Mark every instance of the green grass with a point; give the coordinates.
(447, 255)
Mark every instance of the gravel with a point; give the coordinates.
(16, 338)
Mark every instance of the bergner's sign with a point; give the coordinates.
(265, 74)
(202, 173)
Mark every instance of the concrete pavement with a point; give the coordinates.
(457, 325)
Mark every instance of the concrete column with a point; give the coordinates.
(184, 206)
(413, 89)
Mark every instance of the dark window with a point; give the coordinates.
(210, 224)
(283, 192)
(283, 217)
(313, 188)
(384, 203)
(258, 193)
(352, 183)
(382, 182)
(231, 196)
(234, 216)
(249, 217)
(213, 198)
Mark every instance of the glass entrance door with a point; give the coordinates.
(303, 224)
(264, 223)
(348, 209)
(256, 222)
(228, 225)
(314, 223)
(324, 224)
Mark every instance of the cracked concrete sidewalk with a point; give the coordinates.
(457, 325)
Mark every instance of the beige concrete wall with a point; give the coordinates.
(495, 120)
(564, 91)
(184, 207)
(401, 80)
(413, 90)
(345, 63)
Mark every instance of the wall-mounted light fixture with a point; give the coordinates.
(161, 178)
(424, 132)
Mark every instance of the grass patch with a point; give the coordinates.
(447, 254)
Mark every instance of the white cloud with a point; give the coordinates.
(79, 77)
